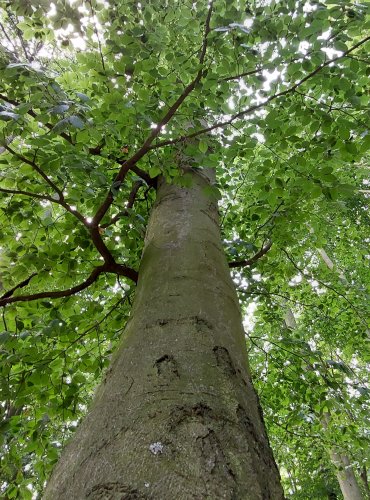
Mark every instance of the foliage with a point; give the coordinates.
(270, 94)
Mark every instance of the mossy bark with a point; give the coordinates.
(176, 416)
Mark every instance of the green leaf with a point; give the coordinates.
(76, 121)
(154, 171)
(203, 147)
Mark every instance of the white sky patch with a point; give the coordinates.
(270, 77)
(331, 52)
(248, 22)
(247, 90)
(325, 35)
(260, 138)
(308, 7)
(249, 318)
(231, 103)
(78, 43)
(295, 280)
(53, 10)
(303, 47)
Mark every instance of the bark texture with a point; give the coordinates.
(176, 416)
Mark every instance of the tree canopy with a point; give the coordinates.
(99, 98)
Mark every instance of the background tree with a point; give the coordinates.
(97, 101)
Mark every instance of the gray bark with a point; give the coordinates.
(346, 477)
(345, 474)
(176, 416)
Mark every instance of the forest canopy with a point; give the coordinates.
(99, 98)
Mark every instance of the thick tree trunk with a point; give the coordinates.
(176, 416)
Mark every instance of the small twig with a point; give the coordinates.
(61, 200)
(59, 293)
(329, 287)
(30, 112)
(28, 193)
(93, 15)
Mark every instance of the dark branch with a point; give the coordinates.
(329, 287)
(37, 169)
(61, 200)
(258, 106)
(30, 112)
(241, 75)
(130, 204)
(94, 230)
(22, 284)
(121, 270)
(252, 260)
(131, 162)
(28, 193)
(56, 294)
(143, 175)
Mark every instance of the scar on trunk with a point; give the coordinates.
(166, 366)
(112, 491)
(223, 360)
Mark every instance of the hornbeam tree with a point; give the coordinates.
(147, 149)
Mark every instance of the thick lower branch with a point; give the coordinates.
(58, 293)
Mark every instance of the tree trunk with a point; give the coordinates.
(346, 477)
(363, 476)
(176, 416)
(345, 474)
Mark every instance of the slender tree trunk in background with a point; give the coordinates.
(176, 416)
(345, 474)
(363, 476)
(346, 477)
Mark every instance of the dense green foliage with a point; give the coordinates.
(96, 99)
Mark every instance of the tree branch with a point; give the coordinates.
(131, 162)
(329, 287)
(30, 112)
(22, 284)
(56, 294)
(241, 75)
(260, 105)
(119, 269)
(28, 193)
(61, 201)
(130, 204)
(252, 260)
(94, 230)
